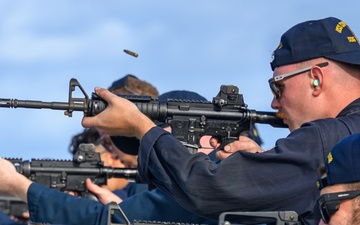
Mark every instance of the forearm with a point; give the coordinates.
(144, 126)
(54, 207)
(20, 189)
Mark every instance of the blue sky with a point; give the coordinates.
(182, 45)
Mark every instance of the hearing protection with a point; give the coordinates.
(316, 83)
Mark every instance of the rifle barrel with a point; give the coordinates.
(15, 103)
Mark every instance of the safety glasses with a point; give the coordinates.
(330, 203)
(277, 90)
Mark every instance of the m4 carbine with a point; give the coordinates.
(227, 116)
(70, 175)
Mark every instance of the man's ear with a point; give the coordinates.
(317, 80)
(108, 158)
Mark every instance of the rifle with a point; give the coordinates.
(13, 206)
(227, 116)
(70, 175)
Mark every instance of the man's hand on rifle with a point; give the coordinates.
(25, 217)
(104, 195)
(243, 144)
(121, 117)
(12, 182)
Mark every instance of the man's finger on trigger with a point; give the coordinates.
(227, 148)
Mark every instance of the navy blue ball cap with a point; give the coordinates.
(122, 82)
(128, 145)
(343, 162)
(329, 38)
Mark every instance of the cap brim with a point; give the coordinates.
(128, 145)
(348, 57)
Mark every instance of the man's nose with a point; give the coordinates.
(275, 104)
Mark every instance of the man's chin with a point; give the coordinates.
(292, 127)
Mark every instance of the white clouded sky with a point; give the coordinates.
(183, 45)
